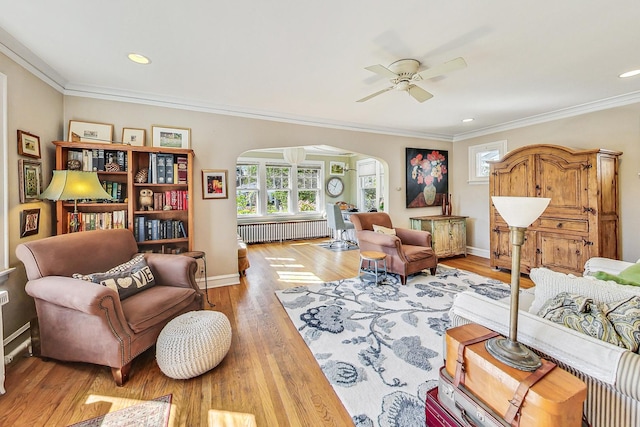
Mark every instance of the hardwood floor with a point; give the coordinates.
(269, 376)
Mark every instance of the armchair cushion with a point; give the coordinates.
(127, 279)
(384, 230)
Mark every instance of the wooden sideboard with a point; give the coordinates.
(581, 220)
(448, 233)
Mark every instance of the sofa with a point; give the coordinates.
(89, 311)
(611, 373)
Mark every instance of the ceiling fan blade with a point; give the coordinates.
(382, 70)
(366, 98)
(438, 70)
(418, 93)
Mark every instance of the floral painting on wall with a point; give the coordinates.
(427, 177)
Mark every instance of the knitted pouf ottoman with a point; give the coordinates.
(193, 343)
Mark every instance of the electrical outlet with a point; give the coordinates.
(202, 269)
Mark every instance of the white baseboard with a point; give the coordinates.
(218, 281)
(484, 253)
(26, 344)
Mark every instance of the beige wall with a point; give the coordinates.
(614, 129)
(35, 107)
(218, 140)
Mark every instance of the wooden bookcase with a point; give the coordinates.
(132, 160)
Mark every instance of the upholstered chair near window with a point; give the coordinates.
(408, 251)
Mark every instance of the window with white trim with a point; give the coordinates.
(265, 187)
(370, 185)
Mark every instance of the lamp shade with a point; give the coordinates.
(520, 211)
(295, 155)
(74, 185)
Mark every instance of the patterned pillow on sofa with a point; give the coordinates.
(127, 279)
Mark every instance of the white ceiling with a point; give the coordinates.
(303, 61)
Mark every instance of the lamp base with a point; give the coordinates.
(513, 354)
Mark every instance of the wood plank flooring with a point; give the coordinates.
(268, 378)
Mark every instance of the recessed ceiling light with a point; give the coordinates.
(630, 73)
(467, 120)
(139, 59)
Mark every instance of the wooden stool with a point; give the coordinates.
(376, 258)
(201, 255)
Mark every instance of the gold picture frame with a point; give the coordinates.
(30, 177)
(28, 144)
(133, 136)
(170, 137)
(99, 133)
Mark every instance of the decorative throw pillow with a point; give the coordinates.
(550, 283)
(127, 279)
(384, 230)
(581, 314)
(628, 276)
(625, 316)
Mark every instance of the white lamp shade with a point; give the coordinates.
(74, 185)
(520, 211)
(295, 155)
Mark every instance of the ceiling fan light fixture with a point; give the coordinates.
(138, 58)
(629, 74)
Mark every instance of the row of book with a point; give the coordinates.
(98, 220)
(98, 159)
(178, 200)
(117, 190)
(145, 228)
(167, 169)
(164, 249)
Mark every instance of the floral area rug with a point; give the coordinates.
(152, 413)
(380, 346)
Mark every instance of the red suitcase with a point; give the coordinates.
(437, 415)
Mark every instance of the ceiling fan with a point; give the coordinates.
(404, 73)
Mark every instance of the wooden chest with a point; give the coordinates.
(554, 401)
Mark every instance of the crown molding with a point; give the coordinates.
(590, 107)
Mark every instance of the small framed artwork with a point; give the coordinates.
(30, 173)
(29, 222)
(28, 144)
(170, 137)
(101, 133)
(479, 158)
(133, 136)
(336, 168)
(214, 184)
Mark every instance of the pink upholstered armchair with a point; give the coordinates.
(408, 252)
(82, 321)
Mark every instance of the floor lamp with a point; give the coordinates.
(519, 213)
(74, 185)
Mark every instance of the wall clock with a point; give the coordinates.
(335, 186)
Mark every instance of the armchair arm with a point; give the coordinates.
(378, 239)
(173, 270)
(414, 237)
(74, 294)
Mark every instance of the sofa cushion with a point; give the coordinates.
(127, 279)
(157, 304)
(580, 314)
(625, 316)
(628, 276)
(550, 283)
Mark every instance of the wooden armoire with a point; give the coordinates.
(581, 220)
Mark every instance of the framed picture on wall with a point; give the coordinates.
(170, 137)
(30, 180)
(133, 136)
(214, 184)
(427, 180)
(101, 133)
(29, 222)
(336, 168)
(28, 144)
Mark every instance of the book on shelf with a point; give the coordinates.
(181, 169)
(98, 220)
(146, 229)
